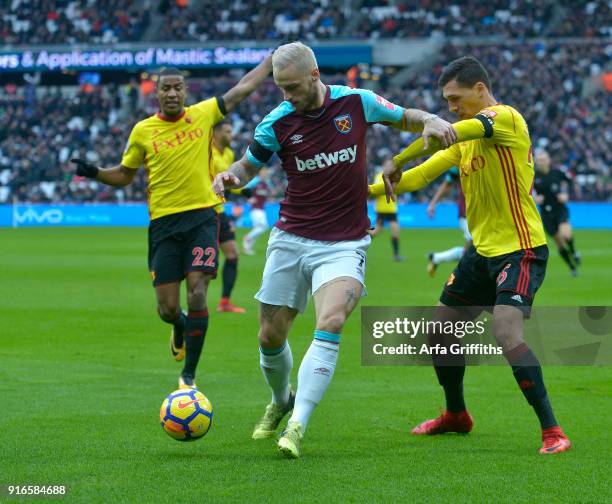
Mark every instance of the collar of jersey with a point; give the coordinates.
(166, 119)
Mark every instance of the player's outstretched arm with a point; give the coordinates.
(247, 84)
(238, 174)
(469, 129)
(117, 176)
(430, 125)
(414, 179)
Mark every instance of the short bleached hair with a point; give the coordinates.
(297, 54)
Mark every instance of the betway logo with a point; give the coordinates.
(324, 160)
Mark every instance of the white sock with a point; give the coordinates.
(450, 255)
(276, 366)
(314, 376)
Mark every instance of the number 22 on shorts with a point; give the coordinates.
(199, 253)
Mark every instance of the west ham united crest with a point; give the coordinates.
(343, 123)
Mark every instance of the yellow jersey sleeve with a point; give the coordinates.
(210, 109)
(422, 175)
(134, 154)
(469, 129)
(501, 124)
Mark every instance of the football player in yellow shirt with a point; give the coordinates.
(386, 211)
(506, 264)
(223, 157)
(174, 146)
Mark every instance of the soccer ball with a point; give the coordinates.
(186, 415)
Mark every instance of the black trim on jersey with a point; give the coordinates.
(221, 104)
(260, 152)
(487, 122)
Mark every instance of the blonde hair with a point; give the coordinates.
(297, 54)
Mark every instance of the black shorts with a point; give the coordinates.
(510, 279)
(183, 242)
(227, 230)
(381, 218)
(554, 218)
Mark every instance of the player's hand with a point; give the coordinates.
(436, 127)
(223, 180)
(85, 169)
(431, 211)
(391, 176)
(562, 198)
(539, 199)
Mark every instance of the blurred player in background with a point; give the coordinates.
(506, 265)
(318, 245)
(386, 211)
(223, 157)
(174, 145)
(552, 188)
(454, 254)
(259, 194)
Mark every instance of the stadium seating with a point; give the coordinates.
(68, 22)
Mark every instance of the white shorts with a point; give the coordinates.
(464, 227)
(297, 267)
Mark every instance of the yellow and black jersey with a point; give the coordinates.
(496, 171)
(177, 155)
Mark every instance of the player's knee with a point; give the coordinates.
(332, 322)
(168, 311)
(196, 296)
(271, 335)
(508, 336)
(230, 251)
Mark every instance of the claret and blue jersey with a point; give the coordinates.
(323, 152)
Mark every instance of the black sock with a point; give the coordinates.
(566, 257)
(230, 272)
(451, 379)
(528, 374)
(395, 245)
(179, 329)
(195, 333)
(570, 246)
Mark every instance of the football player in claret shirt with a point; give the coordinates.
(552, 188)
(174, 146)
(223, 157)
(318, 245)
(506, 264)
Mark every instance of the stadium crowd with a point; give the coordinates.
(85, 21)
(252, 20)
(70, 22)
(45, 127)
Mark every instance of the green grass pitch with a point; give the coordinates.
(84, 366)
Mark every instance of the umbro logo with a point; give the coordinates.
(517, 297)
(296, 139)
(322, 370)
